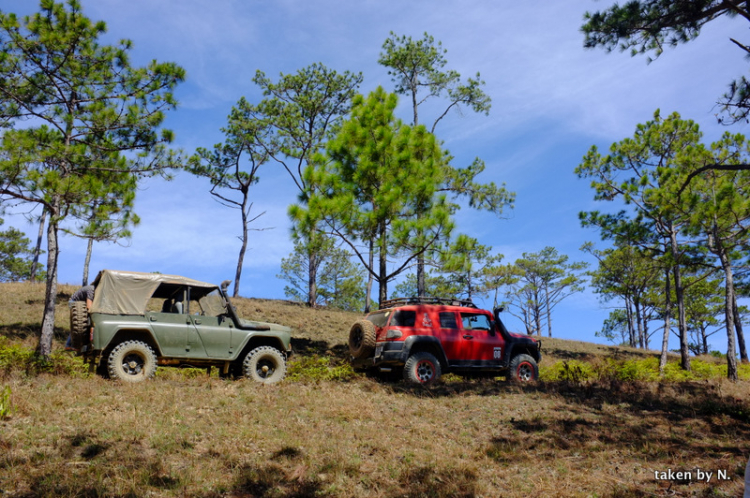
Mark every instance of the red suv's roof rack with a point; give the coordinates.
(447, 301)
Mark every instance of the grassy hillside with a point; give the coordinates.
(328, 432)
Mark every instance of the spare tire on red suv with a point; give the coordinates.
(362, 339)
(424, 337)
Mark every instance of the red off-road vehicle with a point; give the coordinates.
(428, 336)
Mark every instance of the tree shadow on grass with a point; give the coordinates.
(61, 298)
(419, 482)
(309, 347)
(20, 331)
(272, 480)
(23, 331)
(674, 401)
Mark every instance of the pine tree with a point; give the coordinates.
(91, 122)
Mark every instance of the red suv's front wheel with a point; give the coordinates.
(523, 368)
(422, 368)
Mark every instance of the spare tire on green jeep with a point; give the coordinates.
(79, 324)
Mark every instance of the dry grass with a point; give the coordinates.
(200, 436)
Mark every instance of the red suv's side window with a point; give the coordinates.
(472, 321)
(404, 318)
(448, 320)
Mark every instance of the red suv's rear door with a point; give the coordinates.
(450, 335)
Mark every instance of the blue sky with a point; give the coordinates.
(551, 101)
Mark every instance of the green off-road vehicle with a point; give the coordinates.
(140, 320)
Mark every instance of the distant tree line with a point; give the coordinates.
(378, 195)
(683, 231)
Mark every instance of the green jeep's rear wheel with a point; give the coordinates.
(265, 364)
(132, 361)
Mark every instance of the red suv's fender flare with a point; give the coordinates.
(416, 343)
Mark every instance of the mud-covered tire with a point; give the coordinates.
(265, 364)
(131, 361)
(523, 368)
(362, 339)
(79, 324)
(422, 368)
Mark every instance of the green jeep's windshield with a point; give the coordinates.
(212, 304)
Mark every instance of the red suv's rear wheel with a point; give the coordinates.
(422, 368)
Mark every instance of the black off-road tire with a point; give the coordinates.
(131, 361)
(523, 368)
(265, 364)
(422, 368)
(102, 370)
(79, 324)
(362, 339)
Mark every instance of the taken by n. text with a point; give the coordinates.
(696, 475)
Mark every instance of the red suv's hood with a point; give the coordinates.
(521, 336)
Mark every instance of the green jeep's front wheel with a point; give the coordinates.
(132, 361)
(265, 364)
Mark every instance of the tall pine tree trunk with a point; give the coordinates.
(629, 316)
(38, 248)
(421, 291)
(740, 333)
(680, 295)
(704, 339)
(537, 313)
(243, 248)
(312, 277)
(383, 269)
(50, 296)
(368, 294)
(715, 245)
(87, 262)
(549, 312)
(641, 335)
(667, 324)
(729, 316)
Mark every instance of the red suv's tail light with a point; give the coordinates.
(393, 334)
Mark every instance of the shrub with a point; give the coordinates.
(644, 370)
(14, 357)
(18, 358)
(317, 368)
(570, 371)
(6, 407)
(637, 370)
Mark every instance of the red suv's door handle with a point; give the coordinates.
(467, 336)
